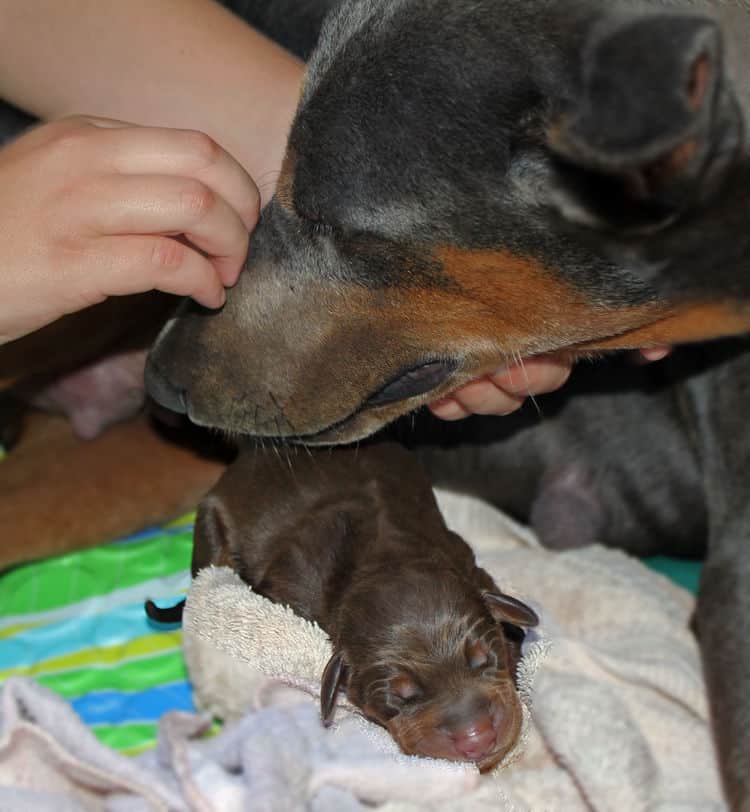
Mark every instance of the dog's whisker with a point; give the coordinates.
(519, 362)
(288, 454)
(281, 449)
(293, 430)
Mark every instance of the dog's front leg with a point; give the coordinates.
(723, 626)
(719, 400)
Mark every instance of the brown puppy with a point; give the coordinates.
(424, 642)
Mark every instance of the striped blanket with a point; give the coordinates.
(76, 624)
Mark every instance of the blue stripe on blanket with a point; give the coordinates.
(113, 707)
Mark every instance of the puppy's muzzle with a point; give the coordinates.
(476, 740)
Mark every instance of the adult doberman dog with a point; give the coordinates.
(472, 181)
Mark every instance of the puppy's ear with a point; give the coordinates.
(652, 113)
(510, 610)
(214, 536)
(334, 675)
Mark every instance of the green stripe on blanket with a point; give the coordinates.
(78, 576)
(137, 675)
(129, 738)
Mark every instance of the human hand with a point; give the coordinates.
(505, 390)
(92, 208)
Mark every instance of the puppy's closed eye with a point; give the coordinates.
(405, 688)
(478, 654)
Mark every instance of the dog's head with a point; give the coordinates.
(432, 658)
(466, 183)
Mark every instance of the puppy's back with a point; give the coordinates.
(296, 524)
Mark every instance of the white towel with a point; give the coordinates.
(619, 721)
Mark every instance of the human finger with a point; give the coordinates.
(139, 204)
(448, 408)
(121, 265)
(187, 153)
(532, 376)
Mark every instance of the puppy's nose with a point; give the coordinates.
(476, 739)
(162, 390)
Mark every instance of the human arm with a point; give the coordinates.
(188, 64)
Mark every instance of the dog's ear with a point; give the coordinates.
(214, 536)
(334, 675)
(510, 610)
(652, 113)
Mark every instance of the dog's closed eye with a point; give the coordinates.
(412, 382)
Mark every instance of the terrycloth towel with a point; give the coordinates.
(620, 718)
(277, 758)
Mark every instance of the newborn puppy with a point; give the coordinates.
(424, 642)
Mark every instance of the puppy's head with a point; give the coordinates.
(432, 659)
(438, 214)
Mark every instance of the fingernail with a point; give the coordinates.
(655, 353)
(502, 376)
(218, 301)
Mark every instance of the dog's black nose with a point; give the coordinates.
(162, 390)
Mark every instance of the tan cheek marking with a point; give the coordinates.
(505, 304)
(303, 85)
(700, 76)
(516, 302)
(673, 163)
(521, 306)
(696, 322)
(285, 183)
(555, 130)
